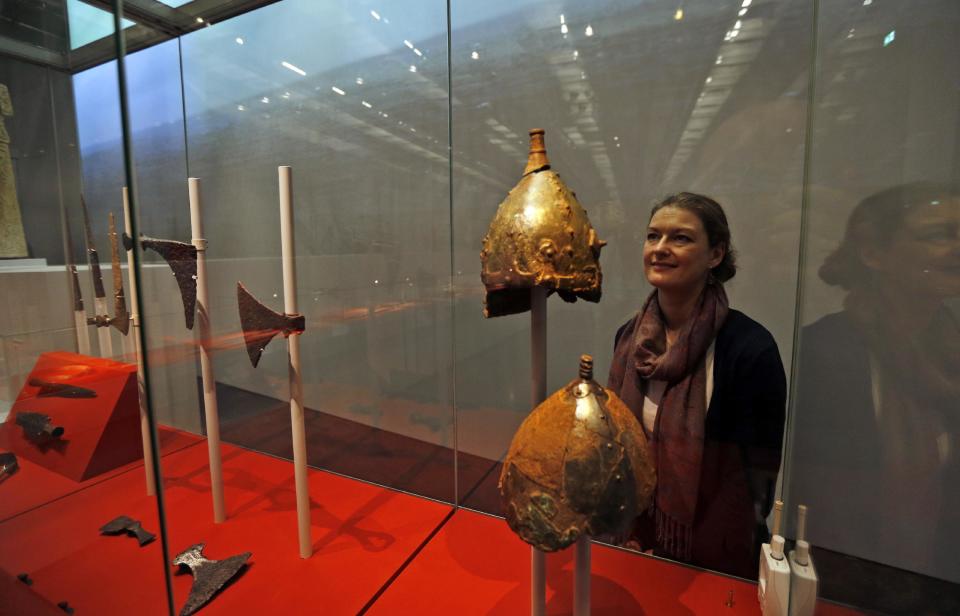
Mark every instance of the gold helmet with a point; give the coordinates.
(540, 236)
(579, 464)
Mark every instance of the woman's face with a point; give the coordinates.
(923, 256)
(677, 255)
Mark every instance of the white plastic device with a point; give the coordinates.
(773, 589)
(803, 576)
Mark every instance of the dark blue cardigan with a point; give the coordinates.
(742, 448)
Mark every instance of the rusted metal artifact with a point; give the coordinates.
(127, 525)
(182, 259)
(8, 464)
(38, 427)
(578, 464)
(121, 318)
(260, 324)
(60, 390)
(209, 576)
(540, 236)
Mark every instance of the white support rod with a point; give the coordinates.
(138, 352)
(83, 333)
(581, 577)
(103, 333)
(538, 364)
(293, 347)
(128, 346)
(210, 409)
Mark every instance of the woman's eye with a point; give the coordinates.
(683, 238)
(652, 237)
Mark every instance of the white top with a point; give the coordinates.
(654, 394)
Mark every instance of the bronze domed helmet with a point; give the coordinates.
(578, 465)
(540, 236)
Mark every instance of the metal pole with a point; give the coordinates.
(538, 355)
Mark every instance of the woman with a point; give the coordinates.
(877, 416)
(709, 388)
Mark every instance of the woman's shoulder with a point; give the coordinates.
(740, 334)
(628, 326)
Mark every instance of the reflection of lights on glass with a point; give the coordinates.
(366, 104)
(359, 81)
(413, 69)
(616, 138)
(562, 19)
(719, 60)
(742, 12)
(241, 108)
(265, 100)
(374, 282)
(375, 15)
(408, 43)
(588, 31)
(709, 79)
(889, 38)
(386, 115)
(199, 20)
(576, 54)
(564, 29)
(935, 202)
(678, 15)
(475, 55)
(286, 95)
(618, 145)
(413, 130)
(850, 33)
(418, 52)
(738, 25)
(867, 2)
(239, 40)
(746, 3)
(295, 69)
(337, 90)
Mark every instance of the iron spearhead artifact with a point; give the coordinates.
(260, 324)
(121, 318)
(540, 236)
(60, 390)
(92, 257)
(38, 427)
(77, 296)
(8, 464)
(182, 259)
(125, 524)
(209, 576)
(578, 465)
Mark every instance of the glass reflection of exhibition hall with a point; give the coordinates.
(829, 130)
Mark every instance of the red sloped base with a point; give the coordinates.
(33, 485)
(18, 598)
(362, 534)
(100, 434)
(476, 565)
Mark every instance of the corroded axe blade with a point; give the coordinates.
(182, 259)
(260, 324)
(121, 318)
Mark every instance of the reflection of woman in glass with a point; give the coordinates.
(875, 445)
(708, 386)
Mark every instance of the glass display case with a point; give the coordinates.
(245, 364)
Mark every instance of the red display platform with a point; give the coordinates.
(476, 565)
(100, 434)
(33, 485)
(362, 535)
